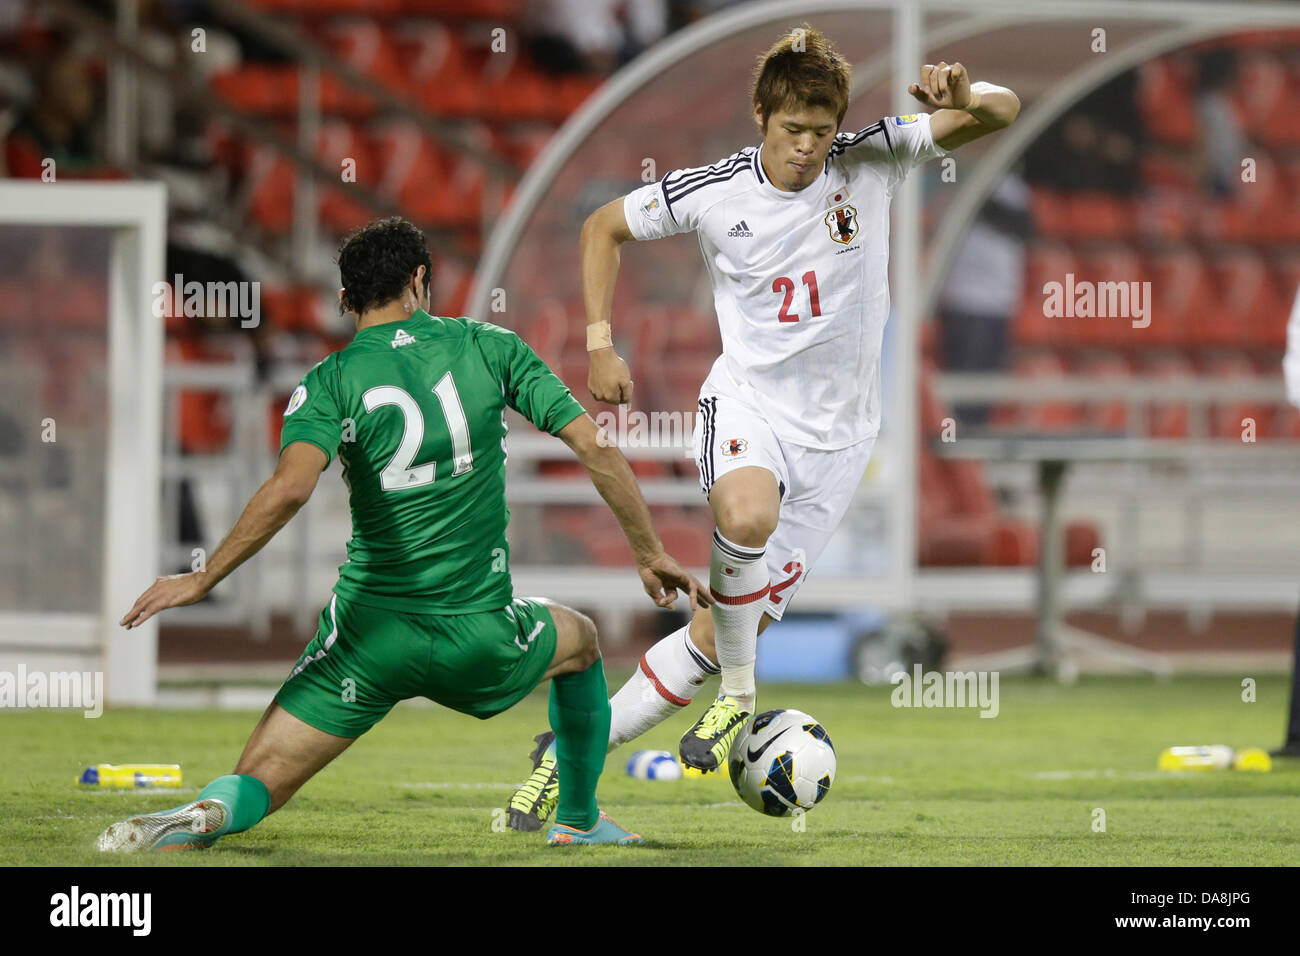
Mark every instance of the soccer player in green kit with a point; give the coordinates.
(415, 409)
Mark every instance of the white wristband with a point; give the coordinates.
(599, 336)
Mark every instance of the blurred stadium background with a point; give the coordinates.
(498, 125)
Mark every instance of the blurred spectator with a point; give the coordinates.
(984, 288)
(57, 123)
(592, 36)
(1222, 141)
(1095, 146)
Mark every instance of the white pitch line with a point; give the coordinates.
(1106, 774)
(448, 785)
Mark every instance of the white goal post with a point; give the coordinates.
(135, 212)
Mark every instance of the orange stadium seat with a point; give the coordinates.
(260, 87)
(431, 183)
(1182, 290)
(1107, 367)
(272, 182)
(957, 516)
(1248, 301)
(1166, 213)
(204, 417)
(441, 72)
(367, 47)
(508, 10)
(341, 142)
(1167, 419)
(1051, 211)
(1046, 262)
(1227, 418)
(1261, 82)
(1046, 416)
(515, 90)
(1165, 100)
(1280, 123)
(1111, 263)
(1099, 215)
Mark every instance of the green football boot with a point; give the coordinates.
(534, 802)
(706, 745)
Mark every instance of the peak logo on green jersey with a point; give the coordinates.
(402, 338)
(295, 400)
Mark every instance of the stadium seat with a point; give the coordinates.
(1166, 213)
(515, 90)
(1051, 211)
(204, 417)
(1260, 82)
(367, 47)
(441, 72)
(1280, 123)
(495, 10)
(1165, 88)
(1110, 415)
(1182, 290)
(1248, 300)
(1228, 418)
(1045, 416)
(958, 522)
(1046, 262)
(340, 142)
(432, 184)
(1093, 214)
(1113, 263)
(268, 88)
(1167, 419)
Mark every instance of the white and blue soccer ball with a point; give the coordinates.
(781, 761)
(654, 765)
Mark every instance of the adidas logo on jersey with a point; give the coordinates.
(740, 231)
(402, 338)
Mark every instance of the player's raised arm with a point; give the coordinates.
(267, 512)
(966, 110)
(603, 233)
(612, 475)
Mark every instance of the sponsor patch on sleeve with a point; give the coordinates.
(295, 400)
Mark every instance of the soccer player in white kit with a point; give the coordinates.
(795, 233)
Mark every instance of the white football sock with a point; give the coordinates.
(665, 681)
(739, 583)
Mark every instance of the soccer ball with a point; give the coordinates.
(654, 765)
(782, 760)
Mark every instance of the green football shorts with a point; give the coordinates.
(365, 659)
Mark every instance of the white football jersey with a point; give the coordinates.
(800, 279)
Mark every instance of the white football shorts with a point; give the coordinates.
(816, 486)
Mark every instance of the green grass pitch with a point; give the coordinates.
(943, 787)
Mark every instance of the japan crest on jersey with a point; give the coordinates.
(843, 224)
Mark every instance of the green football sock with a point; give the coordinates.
(245, 797)
(580, 718)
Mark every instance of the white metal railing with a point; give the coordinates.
(248, 599)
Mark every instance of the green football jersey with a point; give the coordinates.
(416, 413)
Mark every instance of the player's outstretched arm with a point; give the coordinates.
(603, 234)
(267, 512)
(612, 475)
(966, 110)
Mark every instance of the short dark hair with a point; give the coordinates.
(801, 69)
(377, 261)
